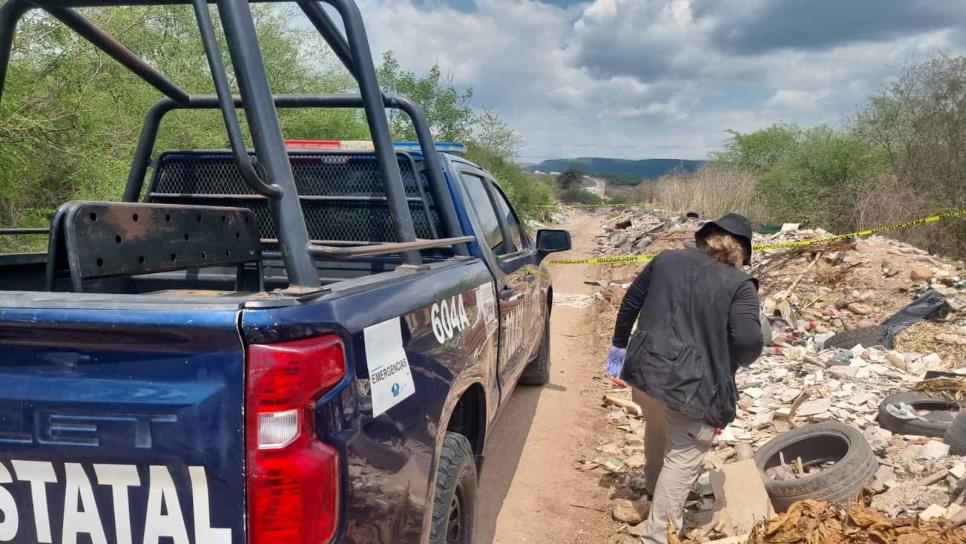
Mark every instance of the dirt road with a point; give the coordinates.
(530, 491)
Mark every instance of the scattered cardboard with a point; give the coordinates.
(738, 489)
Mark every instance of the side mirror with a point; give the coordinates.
(552, 241)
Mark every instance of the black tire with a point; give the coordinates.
(537, 371)
(454, 506)
(940, 412)
(867, 336)
(956, 434)
(842, 482)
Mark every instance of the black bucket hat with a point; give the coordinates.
(734, 224)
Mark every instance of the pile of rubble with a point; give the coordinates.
(809, 294)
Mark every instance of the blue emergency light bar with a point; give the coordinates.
(454, 148)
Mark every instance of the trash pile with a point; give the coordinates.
(865, 339)
(821, 522)
(641, 231)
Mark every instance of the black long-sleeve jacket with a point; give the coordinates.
(697, 323)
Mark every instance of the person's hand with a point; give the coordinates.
(615, 361)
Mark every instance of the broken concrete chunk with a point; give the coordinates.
(958, 471)
(932, 361)
(738, 487)
(933, 511)
(814, 407)
(762, 420)
(753, 392)
(882, 476)
(843, 371)
(860, 308)
(921, 273)
(953, 510)
(933, 449)
(629, 511)
(897, 360)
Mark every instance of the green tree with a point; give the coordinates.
(447, 108)
(494, 134)
(817, 178)
(758, 150)
(570, 179)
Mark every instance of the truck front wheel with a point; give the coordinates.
(537, 371)
(454, 507)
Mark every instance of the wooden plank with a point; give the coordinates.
(739, 490)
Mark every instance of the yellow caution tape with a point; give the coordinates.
(588, 205)
(614, 259)
(863, 233)
(630, 259)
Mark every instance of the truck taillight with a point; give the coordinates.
(293, 477)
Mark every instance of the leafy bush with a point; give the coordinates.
(901, 157)
(618, 199)
(570, 179)
(577, 195)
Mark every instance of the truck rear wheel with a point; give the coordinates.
(454, 507)
(537, 371)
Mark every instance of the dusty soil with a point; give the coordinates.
(530, 491)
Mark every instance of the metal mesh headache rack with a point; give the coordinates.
(302, 204)
(342, 194)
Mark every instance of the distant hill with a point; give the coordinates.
(642, 169)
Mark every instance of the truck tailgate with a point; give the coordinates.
(121, 426)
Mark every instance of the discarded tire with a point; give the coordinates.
(854, 464)
(956, 434)
(934, 412)
(877, 335)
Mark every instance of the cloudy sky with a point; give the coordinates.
(663, 78)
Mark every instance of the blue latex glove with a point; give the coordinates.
(615, 361)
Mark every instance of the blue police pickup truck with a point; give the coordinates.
(285, 341)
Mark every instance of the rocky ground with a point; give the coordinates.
(809, 294)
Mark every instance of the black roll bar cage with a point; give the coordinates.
(434, 168)
(260, 105)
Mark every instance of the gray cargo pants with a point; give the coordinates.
(683, 443)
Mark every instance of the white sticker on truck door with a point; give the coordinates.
(390, 380)
(486, 300)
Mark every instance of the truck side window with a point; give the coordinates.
(489, 222)
(512, 225)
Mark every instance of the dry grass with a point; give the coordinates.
(713, 190)
(886, 199)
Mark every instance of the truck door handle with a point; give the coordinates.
(507, 294)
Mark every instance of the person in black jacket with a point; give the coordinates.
(697, 322)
